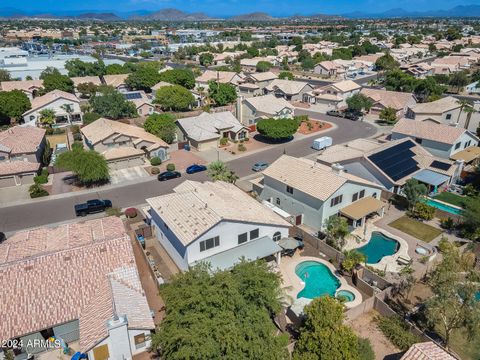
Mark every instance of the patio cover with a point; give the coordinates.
(362, 207)
(431, 177)
(251, 250)
(469, 154)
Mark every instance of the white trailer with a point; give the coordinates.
(322, 143)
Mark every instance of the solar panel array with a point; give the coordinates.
(397, 161)
(133, 96)
(440, 165)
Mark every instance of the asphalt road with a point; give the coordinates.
(48, 211)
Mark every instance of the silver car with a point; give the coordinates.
(259, 166)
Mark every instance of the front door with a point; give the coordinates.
(298, 219)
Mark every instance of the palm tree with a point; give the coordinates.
(464, 105)
(352, 259)
(68, 108)
(47, 117)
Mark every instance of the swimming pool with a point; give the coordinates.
(318, 278)
(348, 295)
(442, 206)
(378, 247)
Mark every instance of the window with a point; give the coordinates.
(242, 238)
(448, 117)
(254, 234)
(457, 145)
(139, 341)
(336, 200)
(209, 243)
(277, 201)
(374, 195)
(362, 194)
(289, 189)
(418, 140)
(277, 236)
(355, 197)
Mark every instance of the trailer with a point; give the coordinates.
(322, 143)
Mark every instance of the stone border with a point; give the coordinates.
(343, 283)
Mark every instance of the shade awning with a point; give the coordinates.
(251, 250)
(362, 207)
(431, 177)
(469, 154)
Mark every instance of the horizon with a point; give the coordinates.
(226, 8)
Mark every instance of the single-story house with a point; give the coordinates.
(28, 87)
(223, 77)
(205, 130)
(439, 139)
(102, 306)
(116, 81)
(203, 222)
(267, 106)
(65, 105)
(382, 99)
(123, 145)
(288, 89)
(142, 102)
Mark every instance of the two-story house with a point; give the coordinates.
(334, 95)
(312, 192)
(21, 151)
(382, 99)
(252, 109)
(215, 223)
(447, 110)
(439, 139)
(65, 106)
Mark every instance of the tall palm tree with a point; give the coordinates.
(464, 105)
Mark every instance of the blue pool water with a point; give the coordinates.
(348, 295)
(318, 278)
(443, 207)
(477, 296)
(378, 247)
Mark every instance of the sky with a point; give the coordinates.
(233, 7)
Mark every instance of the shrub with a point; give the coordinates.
(44, 172)
(90, 117)
(155, 170)
(77, 137)
(447, 224)
(170, 167)
(75, 129)
(36, 191)
(278, 129)
(424, 211)
(397, 331)
(58, 131)
(40, 179)
(242, 147)
(113, 211)
(365, 350)
(224, 141)
(301, 118)
(155, 161)
(77, 145)
(131, 213)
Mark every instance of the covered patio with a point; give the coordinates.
(432, 179)
(360, 210)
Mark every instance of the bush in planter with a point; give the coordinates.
(40, 179)
(113, 211)
(131, 213)
(77, 137)
(223, 141)
(170, 167)
(45, 172)
(155, 170)
(36, 191)
(155, 161)
(242, 147)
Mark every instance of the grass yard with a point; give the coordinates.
(451, 198)
(416, 228)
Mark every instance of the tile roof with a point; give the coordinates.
(46, 99)
(122, 152)
(299, 173)
(288, 87)
(95, 263)
(428, 130)
(21, 139)
(115, 80)
(426, 351)
(18, 167)
(263, 76)
(269, 104)
(220, 76)
(104, 128)
(394, 99)
(346, 85)
(436, 107)
(196, 207)
(86, 79)
(25, 85)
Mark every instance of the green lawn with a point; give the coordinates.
(451, 198)
(416, 228)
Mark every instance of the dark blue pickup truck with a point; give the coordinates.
(92, 206)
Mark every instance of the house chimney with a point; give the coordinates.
(337, 168)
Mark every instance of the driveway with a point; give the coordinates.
(127, 174)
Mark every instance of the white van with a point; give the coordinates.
(322, 143)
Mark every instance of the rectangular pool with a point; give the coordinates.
(442, 206)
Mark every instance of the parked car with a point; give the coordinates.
(167, 175)
(259, 166)
(192, 169)
(350, 115)
(335, 113)
(92, 206)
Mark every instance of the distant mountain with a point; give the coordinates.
(314, 17)
(98, 16)
(256, 16)
(173, 15)
(457, 11)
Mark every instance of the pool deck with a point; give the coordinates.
(292, 284)
(388, 263)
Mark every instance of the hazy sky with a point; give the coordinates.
(228, 7)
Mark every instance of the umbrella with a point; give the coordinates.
(289, 243)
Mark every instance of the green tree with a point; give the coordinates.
(116, 69)
(87, 90)
(5, 75)
(77, 67)
(323, 334)
(425, 89)
(218, 171)
(206, 59)
(277, 129)
(221, 94)
(143, 78)
(89, 166)
(174, 98)
(352, 259)
(424, 211)
(47, 117)
(365, 350)
(161, 125)
(110, 104)
(359, 103)
(221, 315)
(458, 80)
(182, 77)
(336, 228)
(12, 105)
(286, 75)
(54, 80)
(389, 115)
(471, 218)
(413, 191)
(454, 284)
(263, 66)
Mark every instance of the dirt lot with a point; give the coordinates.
(57, 139)
(365, 327)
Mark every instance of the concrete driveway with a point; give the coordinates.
(127, 174)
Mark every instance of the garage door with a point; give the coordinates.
(27, 179)
(6, 182)
(126, 163)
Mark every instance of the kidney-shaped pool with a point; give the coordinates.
(378, 247)
(318, 279)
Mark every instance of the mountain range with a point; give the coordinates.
(170, 14)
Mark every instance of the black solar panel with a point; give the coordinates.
(133, 96)
(440, 165)
(397, 161)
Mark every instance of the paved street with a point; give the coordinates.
(52, 210)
